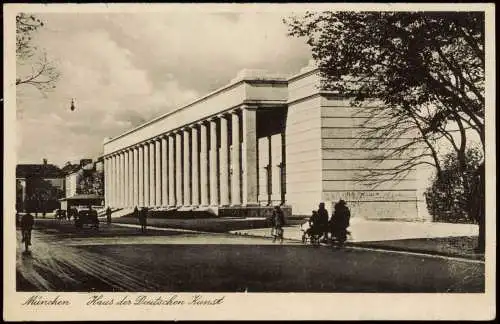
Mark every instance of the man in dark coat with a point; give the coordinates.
(323, 220)
(278, 221)
(340, 221)
(108, 215)
(143, 214)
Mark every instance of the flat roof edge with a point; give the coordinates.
(250, 80)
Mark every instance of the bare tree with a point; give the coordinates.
(33, 67)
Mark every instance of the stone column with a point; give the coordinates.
(158, 169)
(235, 160)
(141, 176)
(204, 164)
(164, 171)
(135, 201)
(214, 188)
(178, 168)
(119, 182)
(131, 178)
(249, 156)
(276, 160)
(146, 174)
(186, 168)
(106, 180)
(125, 178)
(223, 161)
(152, 179)
(195, 177)
(114, 180)
(171, 170)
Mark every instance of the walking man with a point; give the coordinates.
(278, 222)
(143, 218)
(108, 215)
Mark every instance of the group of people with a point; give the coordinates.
(140, 214)
(322, 226)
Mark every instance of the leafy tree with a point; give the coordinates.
(43, 196)
(91, 182)
(424, 70)
(33, 67)
(448, 198)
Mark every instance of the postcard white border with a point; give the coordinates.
(292, 306)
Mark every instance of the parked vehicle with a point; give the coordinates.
(86, 216)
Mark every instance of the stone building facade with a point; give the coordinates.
(260, 141)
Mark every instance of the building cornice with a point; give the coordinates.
(235, 83)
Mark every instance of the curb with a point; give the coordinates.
(422, 251)
(379, 247)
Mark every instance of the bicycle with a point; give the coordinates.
(26, 238)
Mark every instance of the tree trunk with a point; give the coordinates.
(481, 210)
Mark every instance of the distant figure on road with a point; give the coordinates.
(278, 221)
(340, 222)
(27, 222)
(108, 215)
(323, 220)
(143, 215)
(136, 212)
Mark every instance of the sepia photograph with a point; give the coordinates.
(179, 155)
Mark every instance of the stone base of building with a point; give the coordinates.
(252, 212)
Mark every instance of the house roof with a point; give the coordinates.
(70, 168)
(38, 170)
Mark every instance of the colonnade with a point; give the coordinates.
(212, 162)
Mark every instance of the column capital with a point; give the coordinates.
(202, 122)
(193, 126)
(235, 110)
(224, 114)
(249, 107)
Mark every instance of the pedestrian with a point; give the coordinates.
(323, 221)
(340, 222)
(27, 222)
(313, 224)
(143, 219)
(136, 212)
(108, 215)
(18, 219)
(278, 223)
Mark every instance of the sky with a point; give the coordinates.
(123, 69)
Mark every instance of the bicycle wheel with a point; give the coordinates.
(27, 239)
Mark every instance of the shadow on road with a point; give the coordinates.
(193, 263)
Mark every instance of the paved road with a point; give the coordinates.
(120, 258)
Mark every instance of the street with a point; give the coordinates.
(121, 258)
